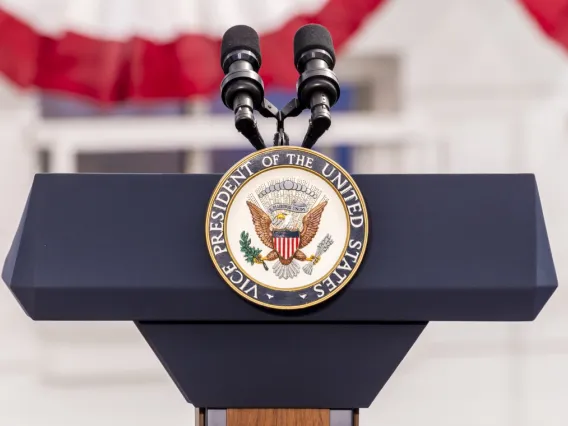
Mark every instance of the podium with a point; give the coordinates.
(111, 247)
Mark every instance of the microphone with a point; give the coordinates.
(242, 90)
(317, 87)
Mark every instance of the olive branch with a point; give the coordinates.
(252, 254)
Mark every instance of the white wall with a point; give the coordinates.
(493, 89)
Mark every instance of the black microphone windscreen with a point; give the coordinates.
(312, 36)
(240, 37)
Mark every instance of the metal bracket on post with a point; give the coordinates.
(291, 109)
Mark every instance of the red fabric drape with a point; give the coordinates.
(551, 16)
(140, 69)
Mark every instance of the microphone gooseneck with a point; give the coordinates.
(242, 90)
(317, 87)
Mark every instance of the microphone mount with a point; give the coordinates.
(268, 110)
(292, 109)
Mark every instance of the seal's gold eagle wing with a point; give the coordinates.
(262, 223)
(310, 224)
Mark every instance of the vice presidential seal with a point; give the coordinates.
(287, 227)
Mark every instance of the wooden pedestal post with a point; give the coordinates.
(276, 417)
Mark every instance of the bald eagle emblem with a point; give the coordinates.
(286, 215)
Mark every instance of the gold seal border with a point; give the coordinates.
(263, 152)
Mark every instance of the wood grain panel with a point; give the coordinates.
(199, 417)
(277, 417)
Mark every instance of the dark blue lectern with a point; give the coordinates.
(132, 247)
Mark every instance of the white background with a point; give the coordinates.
(495, 91)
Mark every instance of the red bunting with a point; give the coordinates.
(142, 69)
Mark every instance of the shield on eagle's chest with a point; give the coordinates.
(286, 242)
